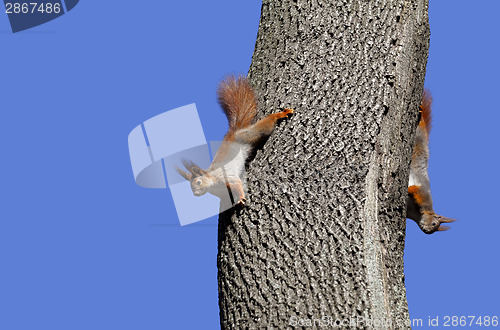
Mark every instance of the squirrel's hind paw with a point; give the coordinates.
(241, 202)
(283, 114)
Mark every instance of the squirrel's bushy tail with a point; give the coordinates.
(425, 108)
(237, 100)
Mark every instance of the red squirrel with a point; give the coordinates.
(225, 176)
(419, 205)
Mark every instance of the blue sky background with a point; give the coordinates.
(83, 247)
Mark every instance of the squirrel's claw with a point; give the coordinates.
(283, 114)
(241, 202)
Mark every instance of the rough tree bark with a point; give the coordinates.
(322, 234)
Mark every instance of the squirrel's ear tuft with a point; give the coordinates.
(442, 228)
(184, 174)
(193, 168)
(197, 170)
(444, 219)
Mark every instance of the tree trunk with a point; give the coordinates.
(321, 237)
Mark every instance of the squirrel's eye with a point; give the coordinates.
(198, 182)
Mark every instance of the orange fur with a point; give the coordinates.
(419, 204)
(238, 101)
(426, 110)
(417, 196)
(276, 116)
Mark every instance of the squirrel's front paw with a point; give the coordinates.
(287, 111)
(241, 202)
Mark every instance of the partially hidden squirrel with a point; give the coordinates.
(419, 205)
(224, 178)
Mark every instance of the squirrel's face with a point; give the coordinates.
(200, 179)
(199, 185)
(429, 223)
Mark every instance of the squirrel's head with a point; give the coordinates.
(200, 184)
(200, 179)
(431, 222)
